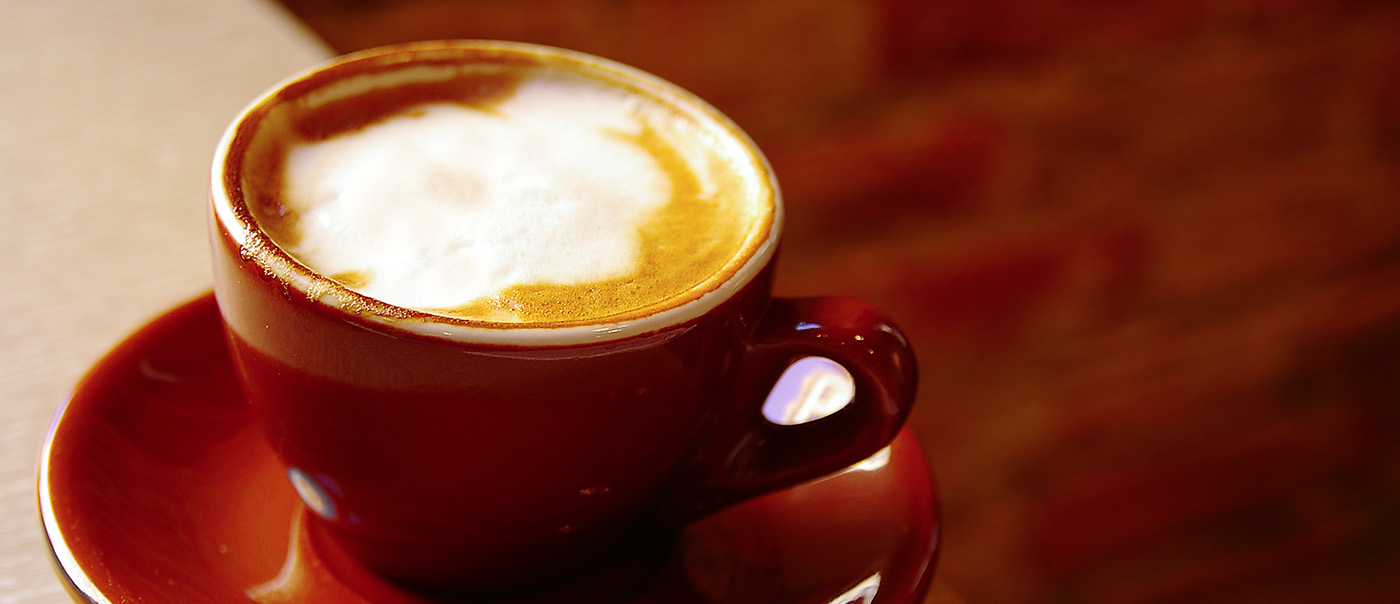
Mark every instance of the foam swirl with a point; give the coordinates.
(564, 200)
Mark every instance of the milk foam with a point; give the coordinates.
(446, 204)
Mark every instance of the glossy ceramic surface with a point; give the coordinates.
(156, 486)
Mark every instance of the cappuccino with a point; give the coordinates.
(513, 192)
(505, 314)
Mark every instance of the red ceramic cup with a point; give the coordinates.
(465, 456)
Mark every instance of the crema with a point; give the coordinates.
(511, 193)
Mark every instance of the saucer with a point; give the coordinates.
(155, 486)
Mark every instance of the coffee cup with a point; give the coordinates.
(504, 311)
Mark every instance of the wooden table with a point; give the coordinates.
(109, 113)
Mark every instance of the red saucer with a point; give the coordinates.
(156, 487)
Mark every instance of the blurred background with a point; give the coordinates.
(1149, 254)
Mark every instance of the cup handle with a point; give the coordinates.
(748, 455)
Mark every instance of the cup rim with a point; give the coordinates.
(231, 218)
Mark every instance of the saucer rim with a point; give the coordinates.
(76, 582)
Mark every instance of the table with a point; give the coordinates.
(109, 114)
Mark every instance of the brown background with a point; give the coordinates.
(1149, 255)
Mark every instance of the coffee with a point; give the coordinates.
(616, 336)
(531, 193)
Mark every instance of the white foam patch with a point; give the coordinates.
(451, 204)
